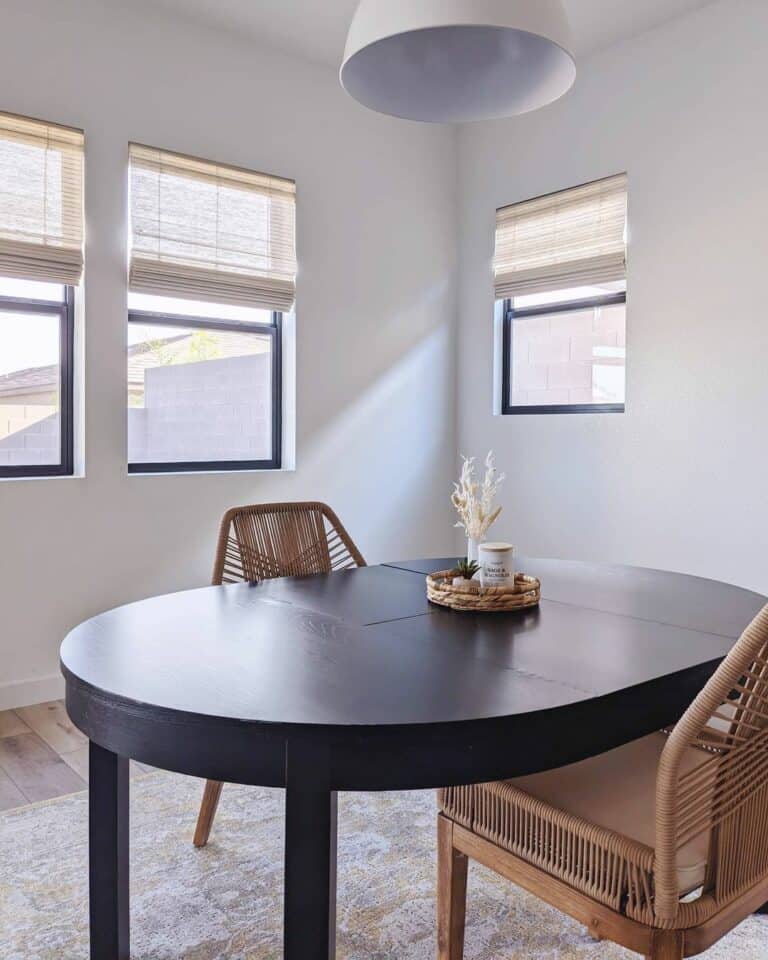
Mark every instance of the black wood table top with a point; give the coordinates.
(353, 681)
(360, 660)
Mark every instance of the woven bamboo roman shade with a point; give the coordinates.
(203, 231)
(570, 239)
(41, 201)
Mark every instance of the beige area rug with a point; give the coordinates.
(224, 902)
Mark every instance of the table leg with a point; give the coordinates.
(333, 847)
(309, 925)
(108, 841)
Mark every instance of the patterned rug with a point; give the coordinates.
(224, 902)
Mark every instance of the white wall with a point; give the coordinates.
(377, 244)
(681, 480)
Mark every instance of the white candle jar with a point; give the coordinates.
(497, 567)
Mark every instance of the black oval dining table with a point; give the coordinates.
(353, 681)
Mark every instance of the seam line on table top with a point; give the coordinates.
(613, 613)
(524, 673)
(632, 616)
(409, 616)
(552, 680)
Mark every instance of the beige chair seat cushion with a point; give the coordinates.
(617, 791)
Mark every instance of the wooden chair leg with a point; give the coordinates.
(208, 807)
(667, 945)
(451, 893)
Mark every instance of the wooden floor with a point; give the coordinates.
(42, 755)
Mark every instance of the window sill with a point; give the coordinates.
(560, 409)
(26, 478)
(213, 471)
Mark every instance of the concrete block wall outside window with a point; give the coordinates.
(569, 358)
(217, 409)
(29, 434)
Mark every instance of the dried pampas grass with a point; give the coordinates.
(474, 502)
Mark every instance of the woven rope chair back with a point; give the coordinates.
(270, 540)
(726, 795)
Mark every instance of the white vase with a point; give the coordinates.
(473, 550)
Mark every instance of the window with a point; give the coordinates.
(36, 344)
(212, 271)
(204, 386)
(561, 281)
(565, 356)
(41, 262)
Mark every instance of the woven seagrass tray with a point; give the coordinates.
(472, 597)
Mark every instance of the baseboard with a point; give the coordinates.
(27, 692)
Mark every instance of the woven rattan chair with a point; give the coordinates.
(660, 846)
(271, 540)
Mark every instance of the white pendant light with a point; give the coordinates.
(451, 61)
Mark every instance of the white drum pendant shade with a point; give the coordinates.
(451, 61)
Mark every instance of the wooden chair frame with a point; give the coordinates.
(619, 888)
(268, 540)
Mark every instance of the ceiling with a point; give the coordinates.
(316, 29)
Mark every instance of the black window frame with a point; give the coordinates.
(509, 317)
(275, 331)
(65, 310)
